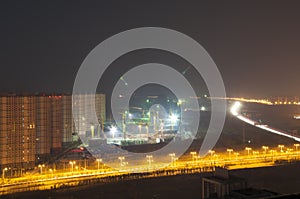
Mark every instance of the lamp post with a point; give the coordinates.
(255, 153)
(272, 153)
(236, 155)
(211, 152)
(193, 153)
(98, 162)
(229, 153)
(265, 148)
(281, 147)
(51, 171)
(296, 146)
(172, 155)
(72, 163)
(122, 158)
(140, 130)
(3, 172)
(41, 168)
(248, 149)
(149, 160)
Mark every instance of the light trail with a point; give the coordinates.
(235, 112)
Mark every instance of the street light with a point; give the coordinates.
(211, 153)
(193, 153)
(41, 168)
(140, 130)
(281, 147)
(296, 146)
(51, 171)
(122, 158)
(248, 149)
(172, 155)
(236, 155)
(72, 163)
(149, 160)
(98, 162)
(255, 153)
(272, 153)
(3, 172)
(265, 148)
(229, 152)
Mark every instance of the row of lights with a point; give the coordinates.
(248, 149)
(150, 160)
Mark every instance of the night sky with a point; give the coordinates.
(256, 46)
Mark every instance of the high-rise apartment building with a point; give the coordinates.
(33, 127)
(17, 131)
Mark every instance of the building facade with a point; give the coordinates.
(35, 127)
(17, 132)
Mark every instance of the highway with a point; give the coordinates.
(235, 111)
(249, 158)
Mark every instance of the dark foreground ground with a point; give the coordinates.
(281, 179)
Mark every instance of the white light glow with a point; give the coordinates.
(113, 130)
(173, 118)
(235, 108)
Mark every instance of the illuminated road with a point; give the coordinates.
(235, 112)
(249, 158)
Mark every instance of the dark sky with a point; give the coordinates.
(255, 44)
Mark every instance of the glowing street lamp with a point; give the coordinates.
(255, 153)
(72, 163)
(229, 152)
(41, 168)
(265, 148)
(149, 160)
(98, 162)
(289, 150)
(248, 149)
(140, 129)
(193, 153)
(172, 155)
(236, 155)
(121, 158)
(272, 152)
(211, 152)
(281, 147)
(51, 171)
(296, 146)
(3, 172)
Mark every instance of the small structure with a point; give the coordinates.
(221, 184)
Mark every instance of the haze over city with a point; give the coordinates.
(143, 99)
(254, 44)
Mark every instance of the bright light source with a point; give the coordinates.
(235, 108)
(173, 118)
(202, 108)
(113, 130)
